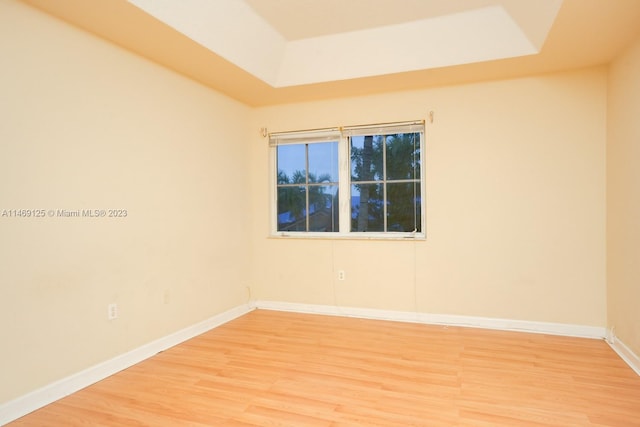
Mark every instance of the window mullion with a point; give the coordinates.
(384, 182)
(344, 186)
(306, 180)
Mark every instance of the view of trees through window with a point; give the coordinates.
(384, 184)
(308, 187)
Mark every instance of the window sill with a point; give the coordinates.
(349, 236)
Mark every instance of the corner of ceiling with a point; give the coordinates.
(535, 22)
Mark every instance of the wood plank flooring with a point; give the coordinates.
(271, 368)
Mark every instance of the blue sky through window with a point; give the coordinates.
(323, 159)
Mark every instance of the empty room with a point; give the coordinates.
(320, 212)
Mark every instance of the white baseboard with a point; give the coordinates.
(440, 319)
(624, 352)
(23, 405)
(561, 329)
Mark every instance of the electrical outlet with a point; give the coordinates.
(112, 311)
(341, 275)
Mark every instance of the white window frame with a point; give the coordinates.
(342, 135)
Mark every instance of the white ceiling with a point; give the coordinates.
(293, 42)
(264, 52)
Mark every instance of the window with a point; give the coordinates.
(361, 181)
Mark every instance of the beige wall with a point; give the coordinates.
(623, 198)
(86, 125)
(515, 174)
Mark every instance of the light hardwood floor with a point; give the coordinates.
(272, 368)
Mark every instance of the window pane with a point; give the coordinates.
(403, 156)
(323, 208)
(292, 210)
(366, 158)
(367, 213)
(292, 165)
(323, 162)
(403, 207)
